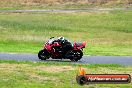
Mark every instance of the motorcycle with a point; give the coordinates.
(61, 49)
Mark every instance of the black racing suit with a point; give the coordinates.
(66, 46)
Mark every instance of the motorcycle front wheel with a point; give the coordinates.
(77, 55)
(43, 54)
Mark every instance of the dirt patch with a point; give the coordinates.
(55, 68)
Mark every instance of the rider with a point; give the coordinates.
(66, 45)
(63, 41)
(60, 39)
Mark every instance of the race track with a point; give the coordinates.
(123, 60)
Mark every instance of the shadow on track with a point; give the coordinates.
(60, 60)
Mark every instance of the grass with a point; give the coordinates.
(36, 74)
(107, 33)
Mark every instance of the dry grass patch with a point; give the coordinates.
(64, 1)
(55, 68)
(42, 78)
(26, 69)
(12, 67)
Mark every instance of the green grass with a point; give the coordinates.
(107, 33)
(15, 74)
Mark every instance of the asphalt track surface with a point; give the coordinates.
(65, 11)
(122, 60)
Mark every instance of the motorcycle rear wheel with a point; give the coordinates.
(43, 54)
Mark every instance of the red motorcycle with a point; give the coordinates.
(61, 48)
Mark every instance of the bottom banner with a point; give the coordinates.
(103, 78)
(83, 78)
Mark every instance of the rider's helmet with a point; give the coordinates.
(61, 38)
